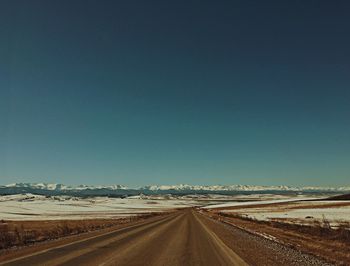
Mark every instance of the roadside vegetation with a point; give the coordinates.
(21, 233)
(318, 228)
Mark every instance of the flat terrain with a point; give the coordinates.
(32, 207)
(182, 238)
(304, 211)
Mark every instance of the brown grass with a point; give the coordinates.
(288, 205)
(318, 228)
(21, 233)
(321, 205)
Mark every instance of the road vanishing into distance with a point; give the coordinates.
(182, 238)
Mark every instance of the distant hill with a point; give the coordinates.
(119, 190)
(340, 197)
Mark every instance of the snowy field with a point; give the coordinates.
(304, 212)
(260, 207)
(36, 207)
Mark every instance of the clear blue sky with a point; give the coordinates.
(144, 92)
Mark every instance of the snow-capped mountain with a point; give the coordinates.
(60, 187)
(119, 190)
(242, 188)
(44, 186)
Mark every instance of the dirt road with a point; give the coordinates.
(183, 238)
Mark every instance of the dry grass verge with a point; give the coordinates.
(22, 233)
(318, 228)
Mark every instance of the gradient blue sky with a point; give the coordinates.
(198, 92)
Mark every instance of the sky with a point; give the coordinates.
(169, 92)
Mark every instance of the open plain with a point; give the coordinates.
(184, 237)
(254, 229)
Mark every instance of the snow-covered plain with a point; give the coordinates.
(333, 215)
(266, 206)
(302, 212)
(36, 207)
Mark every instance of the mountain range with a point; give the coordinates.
(120, 190)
